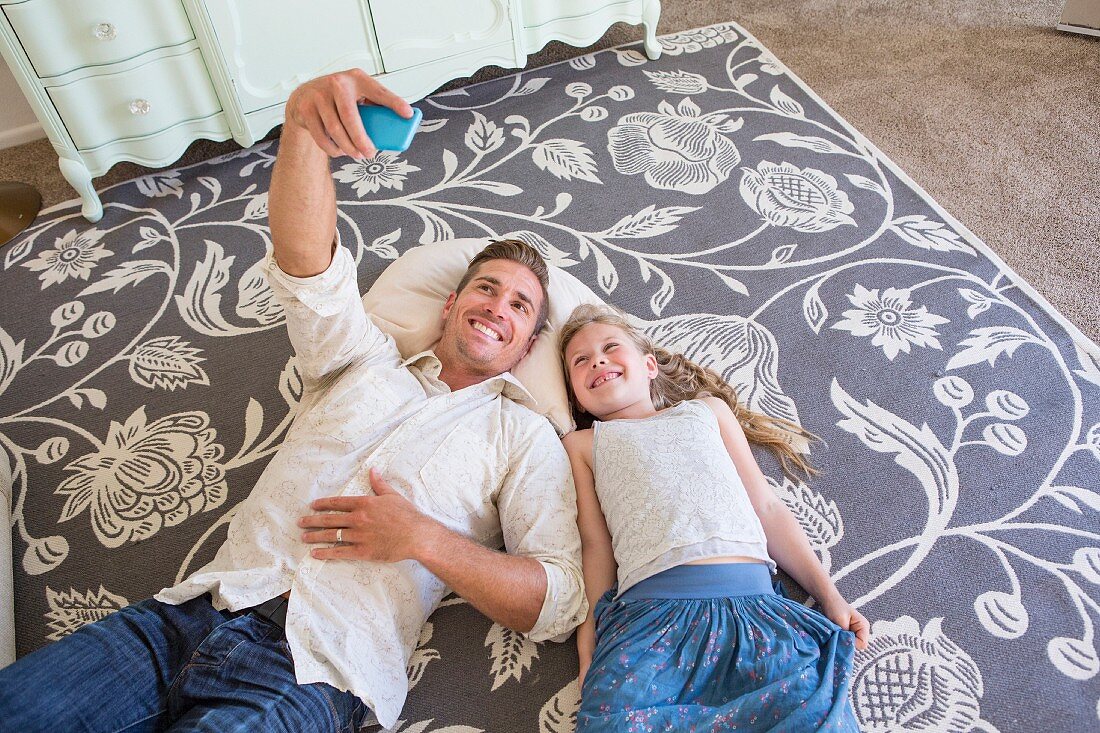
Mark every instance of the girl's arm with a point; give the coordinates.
(597, 558)
(787, 543)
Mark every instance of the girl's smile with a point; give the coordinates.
(605, 377)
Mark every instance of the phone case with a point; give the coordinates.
(387, 129)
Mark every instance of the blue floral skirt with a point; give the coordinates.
(715, 648)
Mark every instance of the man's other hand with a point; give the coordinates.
(326, 108)
(384, 527)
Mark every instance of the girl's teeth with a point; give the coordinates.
(608, 378)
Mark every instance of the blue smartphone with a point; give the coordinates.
(387, 129)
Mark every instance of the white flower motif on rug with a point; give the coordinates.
(891, 320)
(72, 256)
(678, 149)
(146, 476)
(742, 351)
(804, 199)
(367, 176)
(913, 679)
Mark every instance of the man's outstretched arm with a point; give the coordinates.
(321, 122)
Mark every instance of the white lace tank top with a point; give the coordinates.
(670, 493)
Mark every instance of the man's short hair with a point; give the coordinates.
(517, 251)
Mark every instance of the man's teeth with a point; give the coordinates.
(486, 330)
(605, 378)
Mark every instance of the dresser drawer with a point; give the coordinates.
(141, 101)
(63, 35)
(269, 47)
(540, 12)
(405, 39)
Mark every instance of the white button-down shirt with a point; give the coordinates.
(478, 460)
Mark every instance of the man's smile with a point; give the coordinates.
(487, 330)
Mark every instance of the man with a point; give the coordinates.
(307, 617)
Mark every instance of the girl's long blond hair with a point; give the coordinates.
(678, 379)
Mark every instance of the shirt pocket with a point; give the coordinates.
(459, 477)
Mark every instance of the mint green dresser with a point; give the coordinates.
(139, 80)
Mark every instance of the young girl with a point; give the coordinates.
(680, 528)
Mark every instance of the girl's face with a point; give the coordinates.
(609, 374)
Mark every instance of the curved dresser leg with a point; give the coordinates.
(650, 15)
(80, 178)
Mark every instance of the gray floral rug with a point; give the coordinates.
(146, 377)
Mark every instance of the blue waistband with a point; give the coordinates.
(704, 581)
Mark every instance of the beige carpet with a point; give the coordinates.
(990, 110)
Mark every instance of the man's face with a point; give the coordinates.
(490, 325)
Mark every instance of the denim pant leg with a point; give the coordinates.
(241, 678)
(107, 677)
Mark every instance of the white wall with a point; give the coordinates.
(18, 124)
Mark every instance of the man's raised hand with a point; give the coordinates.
(326, 108)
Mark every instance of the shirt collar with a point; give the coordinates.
(506, 384)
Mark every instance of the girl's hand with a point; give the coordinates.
(841, 613)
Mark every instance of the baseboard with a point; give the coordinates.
(20, 135)
(1085, 30)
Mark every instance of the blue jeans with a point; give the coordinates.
(155, 667)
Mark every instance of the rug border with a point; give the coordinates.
(1076, 334)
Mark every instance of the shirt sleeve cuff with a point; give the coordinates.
(563, 608)
(324, 293)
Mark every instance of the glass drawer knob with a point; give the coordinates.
(105, 31)
(140, 107)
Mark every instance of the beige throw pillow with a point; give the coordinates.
(407, 301)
